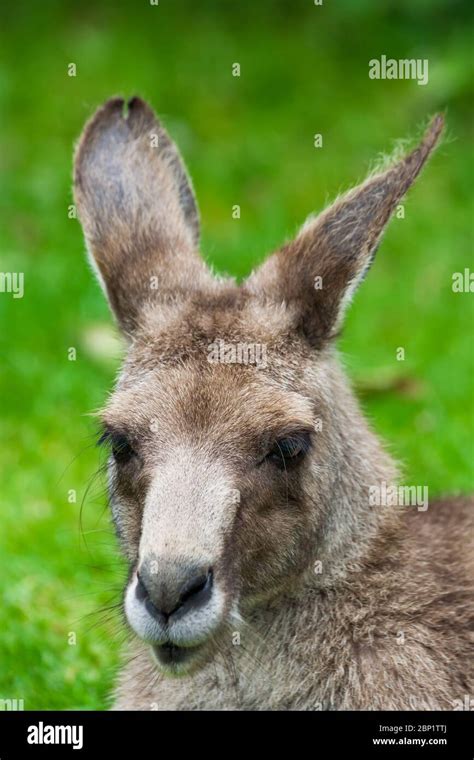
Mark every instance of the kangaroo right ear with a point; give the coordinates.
(137, 209)
(319, 271)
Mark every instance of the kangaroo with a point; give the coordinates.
(262, 575)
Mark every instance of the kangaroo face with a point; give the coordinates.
(227, 429)
(210, 461)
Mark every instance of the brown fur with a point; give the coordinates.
(338, 604)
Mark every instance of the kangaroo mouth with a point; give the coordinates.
(169, 655)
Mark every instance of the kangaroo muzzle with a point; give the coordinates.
(176, 596)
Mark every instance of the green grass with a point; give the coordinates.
(247, 141)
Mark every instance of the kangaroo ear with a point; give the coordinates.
(319, 271)
(137, 209)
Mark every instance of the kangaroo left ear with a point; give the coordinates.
(319, 271)
(137, 209)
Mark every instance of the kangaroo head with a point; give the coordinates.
(237, 454)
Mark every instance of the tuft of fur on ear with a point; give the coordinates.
(137, 209)
(318, 272)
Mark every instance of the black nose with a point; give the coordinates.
(167, 591)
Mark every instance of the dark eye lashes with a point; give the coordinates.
(104, 438)
(289, 450)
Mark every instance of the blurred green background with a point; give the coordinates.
(246, 141)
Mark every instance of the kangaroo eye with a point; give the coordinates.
(289, 451)
(121, 449)
(120, 446)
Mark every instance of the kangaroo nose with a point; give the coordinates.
(166, 591)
